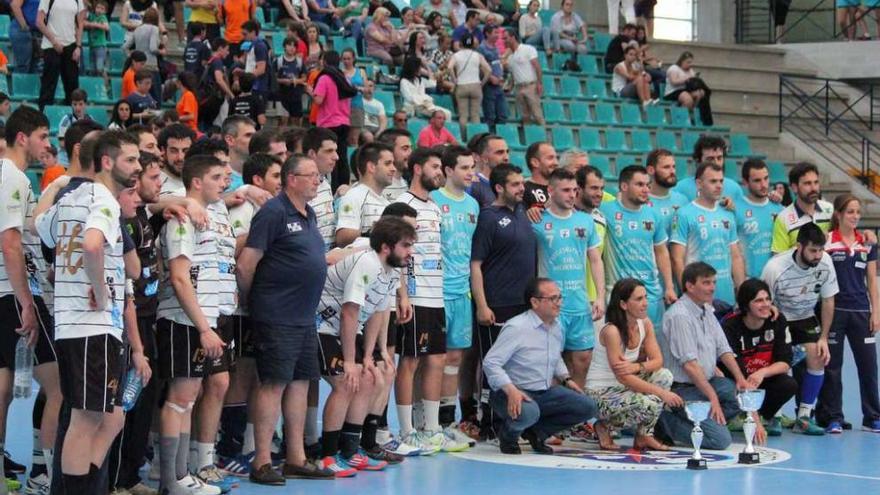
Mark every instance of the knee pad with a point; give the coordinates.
(450, 370)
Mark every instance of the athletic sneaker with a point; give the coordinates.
(418, 441)
(874, 427)
(380, 454)
(786, 421)
(736, 423)
(239, 465)
(807, 426)
(583, 432)
(337, 464)
(470, 429)
(456, 434)
(11, 466)
(444, 442)
(38, 485)
(362, 462)
(773, 427)
(383, 436)
(212, 476)
(395, 446)
(834, 428)
(12, 485)
(196, 487)
(142, 489)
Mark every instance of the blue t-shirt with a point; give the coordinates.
(688, 188)
(290, 277)
(318, 16)
(490, 53)
(462, 29)
(562, 255)
(459, 221)
(850, 266)
(261, 54)
(140, 103)
(666, 206)
(482, 191)
(629, 245)
(504, 242)
(754, 227)
(289, 69)
(197, 52)
(235, 181)
(707, 235)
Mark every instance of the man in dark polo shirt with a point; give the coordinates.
(503, 239)
(281, 274)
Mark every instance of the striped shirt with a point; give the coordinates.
(171, 185)
(790, 220)
(200, 248)
(796, 290)
(398, 186)
(225, 235)
(63, 226)
(15, 193)
(36, 265)
(323, 206)
(424, 280)
(359, 209)
(241, 217)
(359, 279)
(691, 333)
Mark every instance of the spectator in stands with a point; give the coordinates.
(847, 12)
(205, 12)
(571, 28)
(216, 90)
(383, 43)
(494, 99)
(442, 7)
(354, 18)
(132, 16)
(137, 60)
(257, 58)
(781, 189)
(22, 34)
(62, 47)
(357, 77)
(388, 4)
(653, 66)
(400, 119)
(679, 87)
(51, 168)
(416, 47)
(4, 64)
(375, 120)
(470, 27)
(435, 133)
(410, 23)
(522, 62)
(120, 118)
(458, 10)
(617, 47)
(143, 105)
(325, 15)
(5, 107)
(147, 38)
(440, 59)
(434, 30)
(297, 10)
(98, 27)
(188, 105)
(614, 9)
(78, 101)
(470, 71)
(630, 80)
(413, 88)
(507, 12)
(270, 142)
(314, 49)
(644, 10)
(291, 80)
(235, 13)
(248, 103)
(533, 31)
(333, 94)
(197, 51)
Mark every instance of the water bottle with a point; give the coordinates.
(24, 370)
(799, 352)
(131, 390)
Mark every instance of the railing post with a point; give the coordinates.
(827, 122)
(781, 78)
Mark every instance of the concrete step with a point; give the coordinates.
(731, 55)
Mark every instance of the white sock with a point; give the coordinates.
(311, 431)
(204, 454)
(432, 415)
(404, 415)
(248, 444)
(48, 455)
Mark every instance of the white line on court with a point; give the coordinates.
(823, 473)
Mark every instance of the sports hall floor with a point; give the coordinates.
(839, 464)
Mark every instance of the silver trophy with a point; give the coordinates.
(750, 401)
(697, 412)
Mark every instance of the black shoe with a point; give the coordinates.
(266, 475)
(310, 471)
(510, 448)
(846, 425)
(536, 442)
(11, 466)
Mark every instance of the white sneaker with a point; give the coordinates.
(154, 474)
(38, 485)
(196, 487)
(458, 436)
(384, 436)
(443, 442)
(416, 440)
(395, 446)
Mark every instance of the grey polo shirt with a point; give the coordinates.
(691, 332)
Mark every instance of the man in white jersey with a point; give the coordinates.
(319, 144)
(188, 346)
(423, 339)
(174, 141)
(237, 133)
(23, 275)
(362, 205)
(400, 141)
(85, 228)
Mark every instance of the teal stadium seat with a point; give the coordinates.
(615, 140)
(655, 116)
(510, 134)
(641, 141)
(630, 115)
(95, 88)
(116, 88)
(580, 112)
(553, 111)
(550, 90)
(666, 139)
(415, 125)
(601, 41)
(4, 27)
(474, 128)
(731, 169)
(117, 34)
(740, 145)
(778, 173)
(605, 114)
(681, 167)
(100, 115)
(563, 138)
(534, 134)
(602, 163)
(387, 100)
(25, 87)
(571, 87)
(688, 140)
(681, 117)
(596, 89)
(590, 139)
(455, 129)
(55, 113)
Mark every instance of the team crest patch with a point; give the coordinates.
(472, 218)
(445, 208)
(504, 222)
(548, 226)
(748, 213)
(294, 227)
(726, 224)
(581, 232)
(590, 457)
(649, 225)
(701, 218)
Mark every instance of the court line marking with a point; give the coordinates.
(825, 473)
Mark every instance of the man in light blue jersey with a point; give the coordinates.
(591, 185)
(458, 213)
(755, 215)
(709, 149)
(661, 167)
(566, 237)
(635, 243)
(705, 231)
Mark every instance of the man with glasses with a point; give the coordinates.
(399, 120)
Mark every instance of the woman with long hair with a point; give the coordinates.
(626, 377)
(470, 72)
(357, 77)
(413, 90)
(856, 317)
(314, 48)
(121, 117)
(188, 105)
(332, 95)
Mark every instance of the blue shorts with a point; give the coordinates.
(842, 4)
(459, 321)
(578, 331)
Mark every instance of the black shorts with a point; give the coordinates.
(424, 335)
(90, 370)
(645, 8)
(285, 353)
(241, 336)
(779, 10)
(226, 331)
(10, 312)
(330, 353)
(292, 102)
(391, 341)
(147, 331)
(181, 354)
(806, 331)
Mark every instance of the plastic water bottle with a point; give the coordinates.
(132, 390)
(799, 353)
(24, 370)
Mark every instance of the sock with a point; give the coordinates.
(38, 460)
(204, 455)
(350, 438)
(468, 408)
(248, 444)
(810, 388)
(48, 456)
(180, 465)
(168, 447)
(404, 415)
(76, 483)
(94, 478)
(368, 434)
(447, 411)
(330, 443)
(383, 419)
(311, 429)
(232, 424)
(432, 414)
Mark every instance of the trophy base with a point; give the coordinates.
(749, 458)
(697, 464)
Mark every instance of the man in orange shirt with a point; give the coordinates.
(138, 61)
(234, 14)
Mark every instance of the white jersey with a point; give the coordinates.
(796, 290)
(15, 194)
(359, 279)
(424, 279)
(225, 236)
(324, 214)
(359, 209)
(171, 185)
(241, 217)
(200, 248)
(398, 186)
(64, 226)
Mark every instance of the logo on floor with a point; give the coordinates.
(589, 456)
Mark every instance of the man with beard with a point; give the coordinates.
(490, 151)
(174, 141)
(799, 279)
(803, 179)
(755, 215)
(401, 142)
(592, 193)
(319, 144)
(542, 161)
(424, 337)
(635, 241)
(89, 327)
(709, 149)
(503, 240)
(660, 164)
(237, 132)
(362, 205)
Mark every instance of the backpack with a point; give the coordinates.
(572, 64)
(271, 71)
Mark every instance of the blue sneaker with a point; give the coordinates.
(239, 466)
(874, 427)
(834, 428)
(210, 475)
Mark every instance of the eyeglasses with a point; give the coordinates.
(312, 176)
(554, 299)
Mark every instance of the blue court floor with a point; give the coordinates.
(846, 463)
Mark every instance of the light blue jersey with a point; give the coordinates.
(707, 235)
(666, 206)
(688, 188)
(754, 226)
(629, 246)
(459, 221)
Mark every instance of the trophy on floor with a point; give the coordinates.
(750, 401)
(697, 412)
